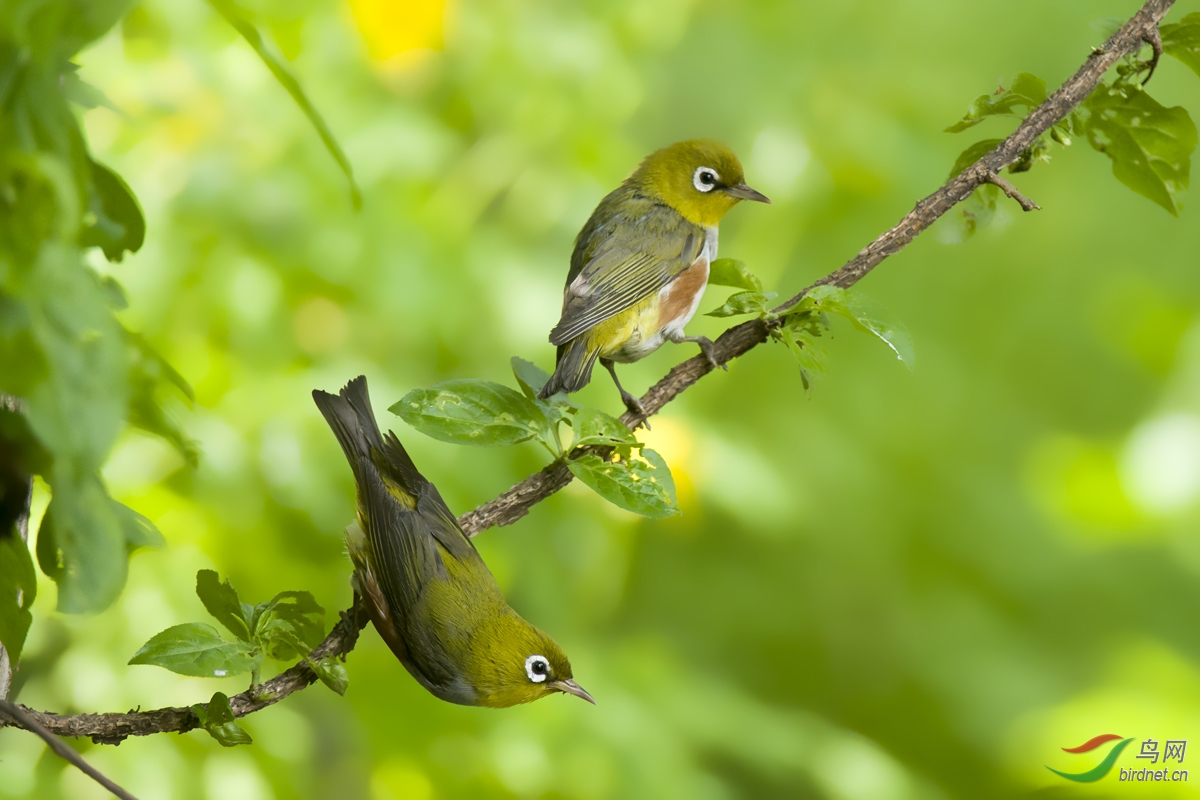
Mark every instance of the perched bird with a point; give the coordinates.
(640, 263)
(430, 595)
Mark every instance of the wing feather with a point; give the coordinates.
(630, 248)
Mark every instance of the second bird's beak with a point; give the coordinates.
(743, 192)
(571, 687)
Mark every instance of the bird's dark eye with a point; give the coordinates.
(537, 668)
(705, 178)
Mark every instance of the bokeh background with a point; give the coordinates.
(910, 585)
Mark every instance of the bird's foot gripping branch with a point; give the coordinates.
(602, 450)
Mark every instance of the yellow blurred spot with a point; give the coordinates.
(321, 326)
(397, 780)
(397, 28)
(673, 441)
(1079, 482)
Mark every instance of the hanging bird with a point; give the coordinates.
(430, 595)
(640, 263)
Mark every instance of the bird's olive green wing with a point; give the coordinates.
(410, 528)
(407, 524)
(630, 248)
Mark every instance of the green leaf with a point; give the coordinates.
(217, 718)
(867, 315)
(149, 374)
(83, 94)
(472, 412)
(973, 154)
(302, 611)
(1027, 90)
(594, 427)
(83, 542)
(1150, 145)
(289, 625)
(641, 485)
(198, 650)
(743, 303)
(530, 376)
(79, 409)
(236, 17)
(798, 333)
(732, 272)
(138, 531)
(18, 588)
(1182, 40)
(332, 673)
(221, 600)
(1038, 151)
(978, 210)
(662, 475)
(119, 225)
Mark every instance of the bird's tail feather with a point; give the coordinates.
(573, 369)
(353, 423)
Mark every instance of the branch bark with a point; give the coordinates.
(737, 341)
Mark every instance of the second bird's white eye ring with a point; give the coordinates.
(705, 179)
(537, 668)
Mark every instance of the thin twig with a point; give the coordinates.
(738, 340)
(1012, 191)
(57, 745)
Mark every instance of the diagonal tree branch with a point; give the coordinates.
(737, 341)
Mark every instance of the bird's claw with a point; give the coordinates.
(634, 406)
(709, 350)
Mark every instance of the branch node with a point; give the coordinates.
(1010, 190)
(1152, 37)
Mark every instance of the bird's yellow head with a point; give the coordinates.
(699, 178)
(512, 662)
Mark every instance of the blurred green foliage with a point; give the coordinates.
(915, 584)
(61, 347)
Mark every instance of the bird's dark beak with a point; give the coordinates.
(571, 687)
(743, 192)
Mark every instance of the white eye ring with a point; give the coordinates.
(705, 179)
(537, 661)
